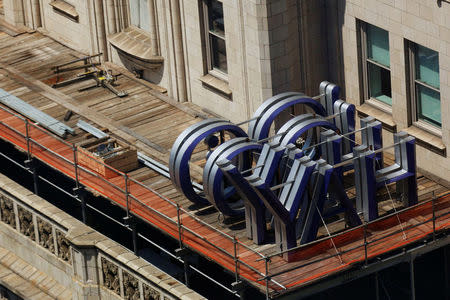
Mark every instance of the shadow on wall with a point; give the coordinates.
(320, 41)
(154, 75)
(335, 10)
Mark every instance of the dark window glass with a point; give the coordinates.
(378, 45)
(378, 64)
(427, 66)
(428, 105)
(380, 83)
(427, 83)
(216, 33)
(216, 24)
(219, 53)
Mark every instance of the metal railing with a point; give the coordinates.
(128, 192)
(427, 207)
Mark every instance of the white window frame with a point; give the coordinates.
(208, 47)
(413, 82)
(364, 61)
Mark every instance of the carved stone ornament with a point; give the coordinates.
(110, 276)
(26, 222)
(150, 293)
(45, 235)
(63, 246)
(130, 287)
(7, 211)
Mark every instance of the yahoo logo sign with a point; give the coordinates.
(295, 174)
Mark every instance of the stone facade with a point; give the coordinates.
(80, 261)
(266, 41)
(272, 46)
(424, 23)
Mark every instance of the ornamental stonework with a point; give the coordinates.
(150, 293)
(130, 287)
(45, 235)
(63, 246)
(7, 212)
(110, 276)
(26, 223)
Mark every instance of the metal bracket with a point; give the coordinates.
(128, 220)
(238, 286)
(182, 252)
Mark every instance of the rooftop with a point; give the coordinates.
(151, 121)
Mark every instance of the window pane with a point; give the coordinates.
(379, 83)
(378, 45)
(218, 53)
(215, 13)
(428, 105)
(427, 66)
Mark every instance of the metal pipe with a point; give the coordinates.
(248, 121)
(349, 161)
(266, 260)
(318, 96)
(281, 185)
(271, 137)
(179, 226)
(236, 260)
(434, 216)
(365, 243)
(75, 163)
(412, 279)
(127, 195)
(252, 169)
(134, 236)
(28, 139)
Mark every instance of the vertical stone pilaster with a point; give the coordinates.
(36, 231)
(86, 270)
(16, 217)
(14, 12)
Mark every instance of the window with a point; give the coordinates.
(424, 84)
(215, 36)
(140, 14)
(375, 64)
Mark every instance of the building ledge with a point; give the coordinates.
(28, 282)
(386, 119)
(65, 8)
(135, 43)
(217, 85)
(427, 140)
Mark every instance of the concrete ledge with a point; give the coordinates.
(89, 252)
(427, 140)
(28, 282)
(385, 118)
(217, 84)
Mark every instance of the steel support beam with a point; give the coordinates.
(412, 279)
(371, 268)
